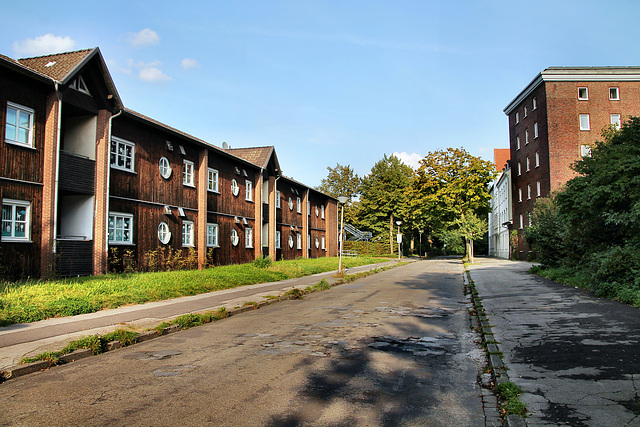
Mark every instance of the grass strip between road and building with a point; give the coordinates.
(31, 301)
(99, 344)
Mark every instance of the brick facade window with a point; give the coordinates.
(583, 93)
(534, 102)
(614, 94)
(584, 122)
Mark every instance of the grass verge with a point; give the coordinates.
(37, 300)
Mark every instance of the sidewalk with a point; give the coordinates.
(576, 357)
(29, 339)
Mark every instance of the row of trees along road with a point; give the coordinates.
(446, 197)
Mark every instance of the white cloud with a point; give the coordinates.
(44, 45)
(153, 75)
(412, 159)
(188, 63)
(146, 37)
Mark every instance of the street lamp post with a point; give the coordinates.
(420, 246)
(399, 238)
(342, 200)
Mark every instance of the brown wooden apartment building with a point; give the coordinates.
(81, 174)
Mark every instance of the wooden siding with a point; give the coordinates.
(224, 201)
(19, 162)
(22, 259)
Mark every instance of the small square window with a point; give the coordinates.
(614, 94)
(584, 122)
(248, 237)
(19, 125)
(248, 191)
(585, 150)
(187, 175)
(212, 235)
(583, 93)
(187, 233)
(615, 121)
(15, 220)
(212, 180)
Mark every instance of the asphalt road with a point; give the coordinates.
(576, 357)
(392, 349)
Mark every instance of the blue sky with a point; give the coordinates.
(330, 82)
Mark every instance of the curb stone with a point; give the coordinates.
(495, 359)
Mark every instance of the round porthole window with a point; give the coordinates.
(290, 204)
(317, 243)
(164, 235)
(235, 239)
(165, 167)
(235, 189)
(317, 211)
(290, 241)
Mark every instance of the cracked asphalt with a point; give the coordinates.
(395, 348)
(576, 357)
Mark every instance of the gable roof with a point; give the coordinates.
(62, 67)
(259, 156)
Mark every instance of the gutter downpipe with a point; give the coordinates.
(106, 225)
(55, 185)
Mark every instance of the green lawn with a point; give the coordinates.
(36, 300)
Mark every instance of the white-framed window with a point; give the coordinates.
(528, 191)
(322, 242)
(290, 204)
(120, 228)
(187, 176)
(537, 159)
(520, 194)
(535, 130)
(615, 121)
(299, 241)
(521, 222)
(235, 239)
(538, 189)
(248, 191)
(534, 103)
(278, 202)
(525, 111)
(583, 93)
(317, 211)
(290, 241)
(248, 237)
(212, 235)
(585, 150)
(212, 180)
(584, 122)
(322, 211)
(517, 117)
(235, 188)
(614, 94)
(278, 240)
(298, 205)
(517, 142)
(317, 243)
(528, 164)
(519, 169)
(164, 235)
(16, 218)
(165, 167)
(187, 233)
(123, 154)
(526, 136)
(309, 208)
(19, 125)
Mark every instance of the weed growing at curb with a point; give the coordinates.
(191, 320)
(96, 343)
(511, 404)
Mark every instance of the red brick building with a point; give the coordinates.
(555, 120)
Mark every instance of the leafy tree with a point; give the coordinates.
(450, 192)
(384, 195)
(343, 181)
(547, 231)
